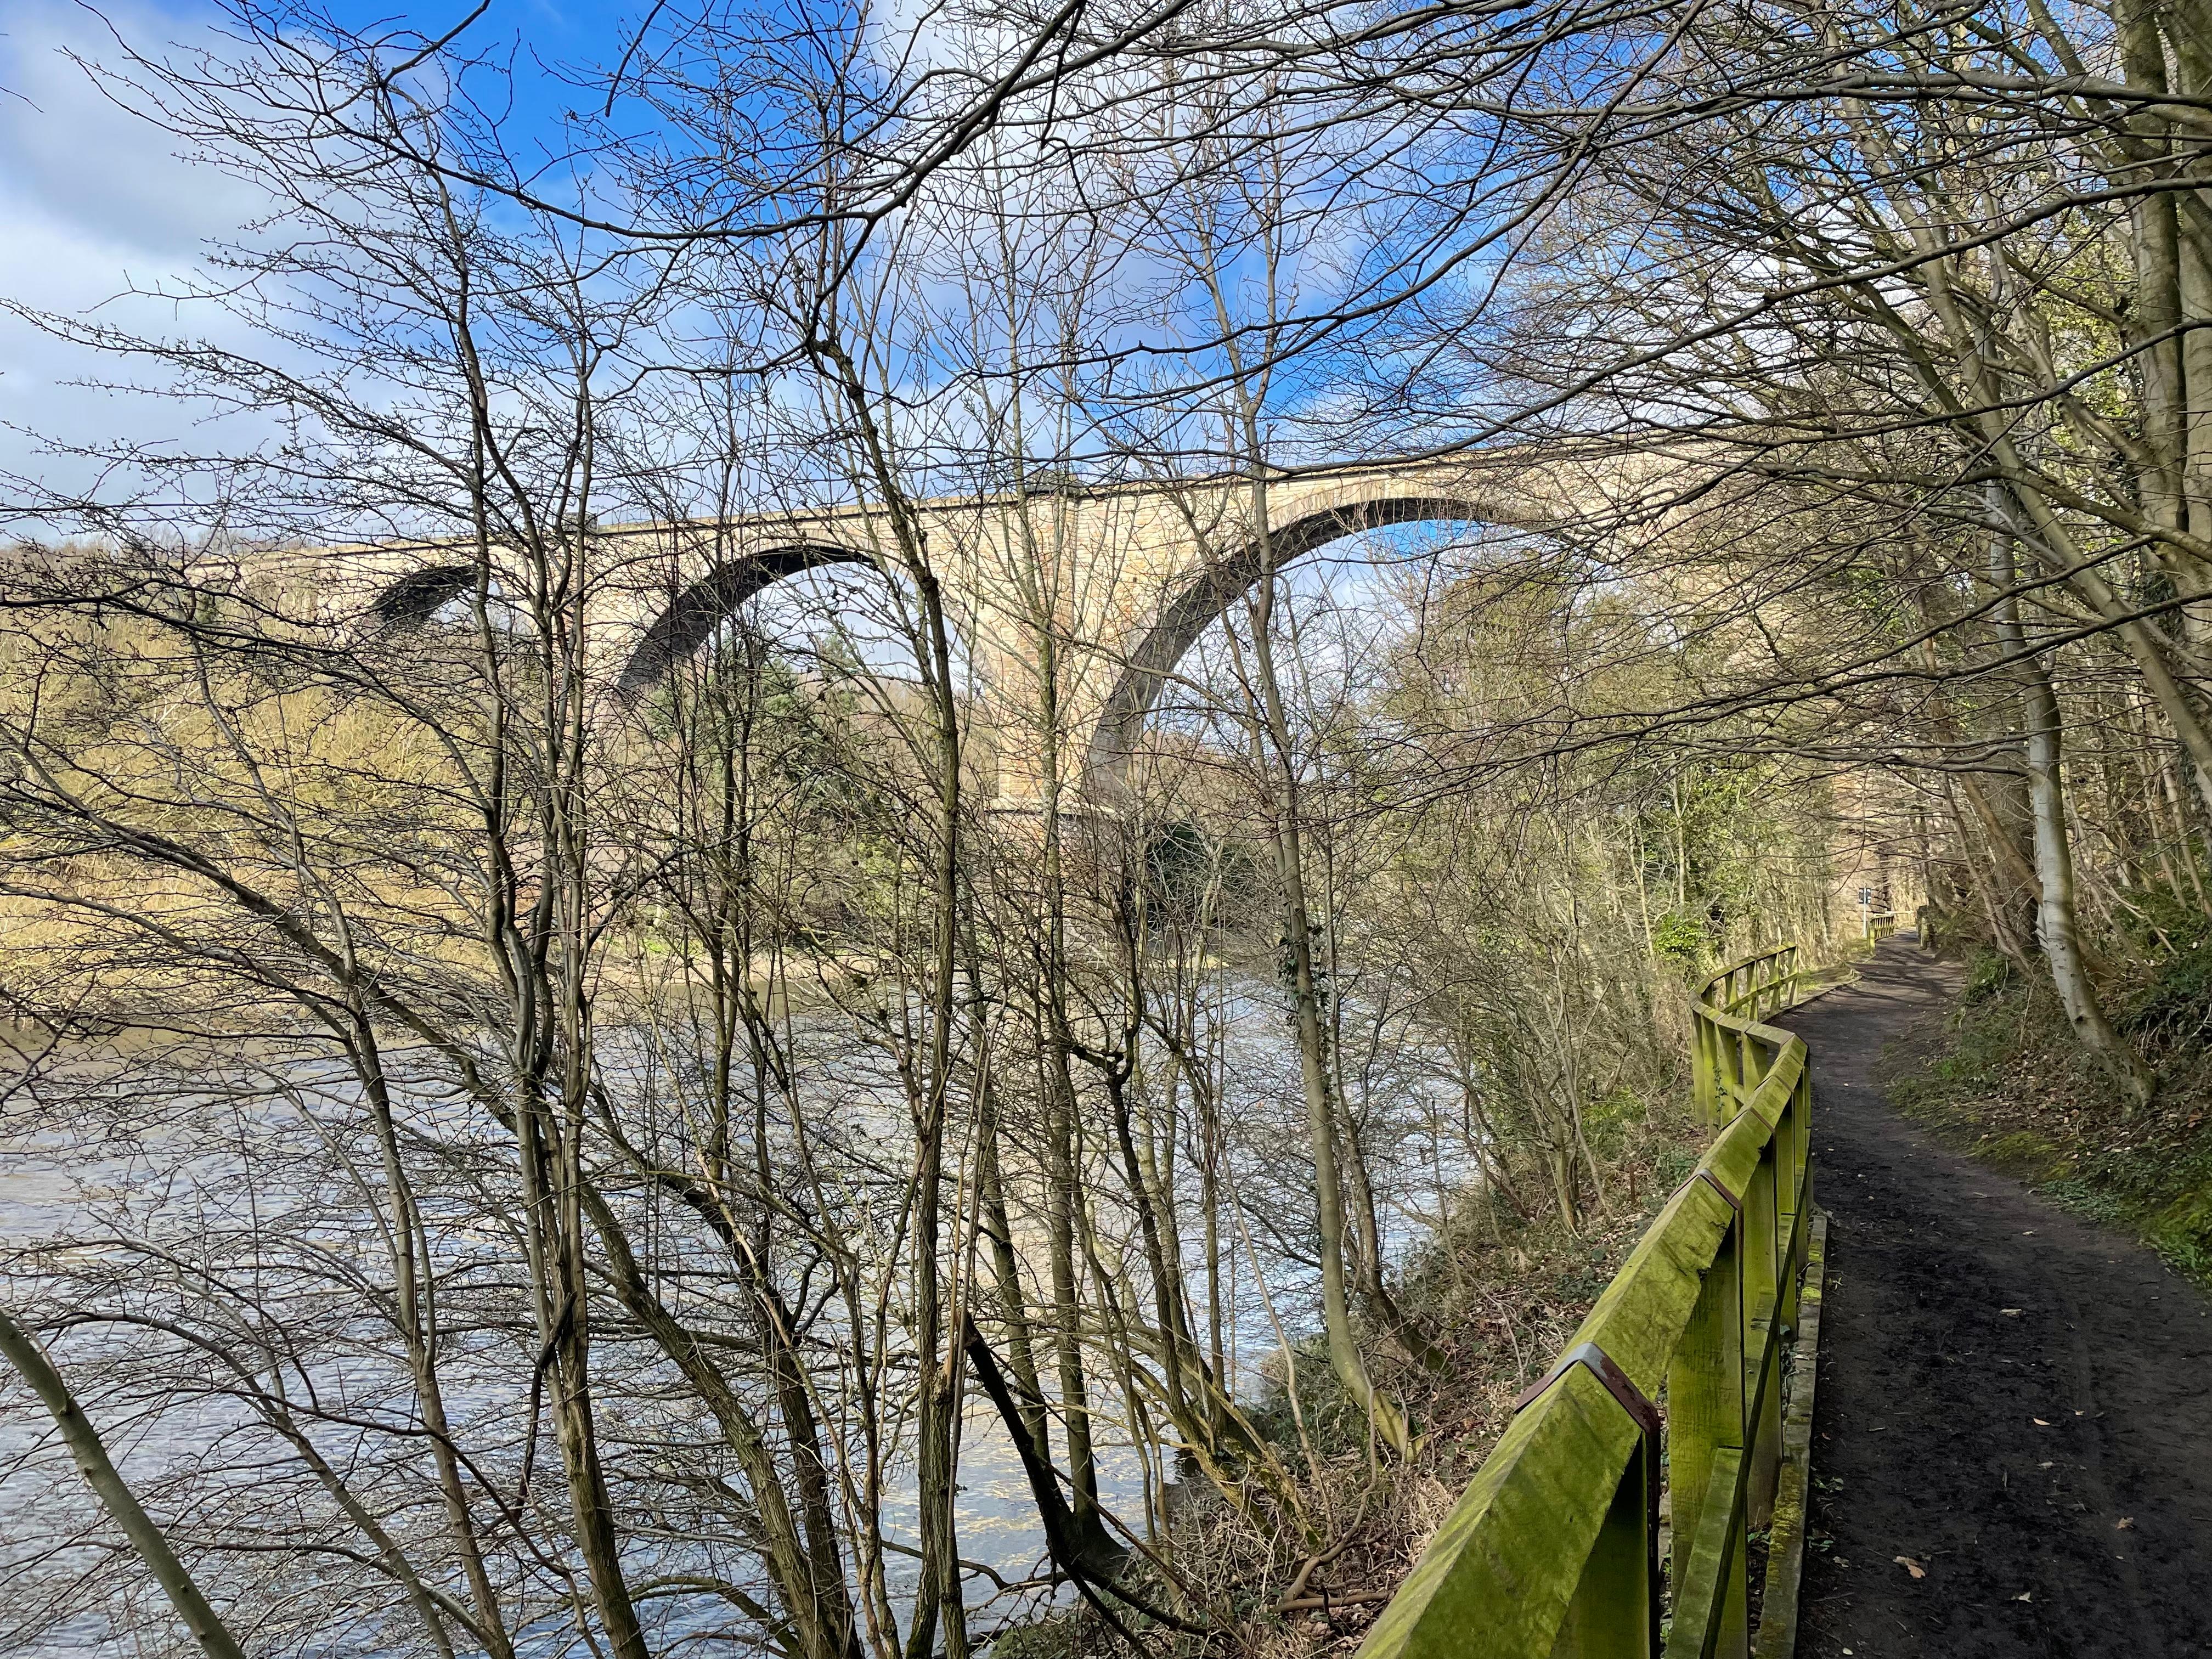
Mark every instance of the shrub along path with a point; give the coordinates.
(2018, 1403)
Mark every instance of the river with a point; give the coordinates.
(240, 1200)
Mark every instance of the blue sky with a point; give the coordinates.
(95, 209)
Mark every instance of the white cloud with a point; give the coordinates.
(75, 155)
(95, 207)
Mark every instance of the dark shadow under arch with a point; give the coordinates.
(693, 615)
(417, 597)
(1189, 614)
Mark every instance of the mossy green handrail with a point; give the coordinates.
(1552, 1550)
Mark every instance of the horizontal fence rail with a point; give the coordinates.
(1880, 925)
(1553, 1548)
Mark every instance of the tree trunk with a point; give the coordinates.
(2054, 856)
(1278, 767)
(2055, 915)
(115, 1496)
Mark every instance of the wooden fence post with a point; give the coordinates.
(1705, 1419)
(1762, 1308)
(1796, 1134)
(1615, 1611)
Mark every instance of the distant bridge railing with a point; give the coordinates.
(1553, 1551)
(1880, 925)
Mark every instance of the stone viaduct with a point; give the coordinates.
(1121, 578)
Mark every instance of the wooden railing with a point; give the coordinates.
(1554, 1549)
(1880, 925)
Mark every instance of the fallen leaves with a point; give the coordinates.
(2012, 1313)
(1911, 1565)
(2040, 1422)
(2025, 1595)
(2124, 1523)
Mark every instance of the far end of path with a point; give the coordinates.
(2013, 1431)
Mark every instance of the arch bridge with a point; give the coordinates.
(1114, 582)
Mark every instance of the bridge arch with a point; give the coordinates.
(415, 599)
(691, 618)
(1194, 607)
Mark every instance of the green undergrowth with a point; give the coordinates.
(2007, 1083)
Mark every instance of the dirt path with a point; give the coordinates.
(2016, 1400)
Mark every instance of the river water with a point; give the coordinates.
(126, 1190)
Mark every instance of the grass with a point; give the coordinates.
(2008, 1084)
